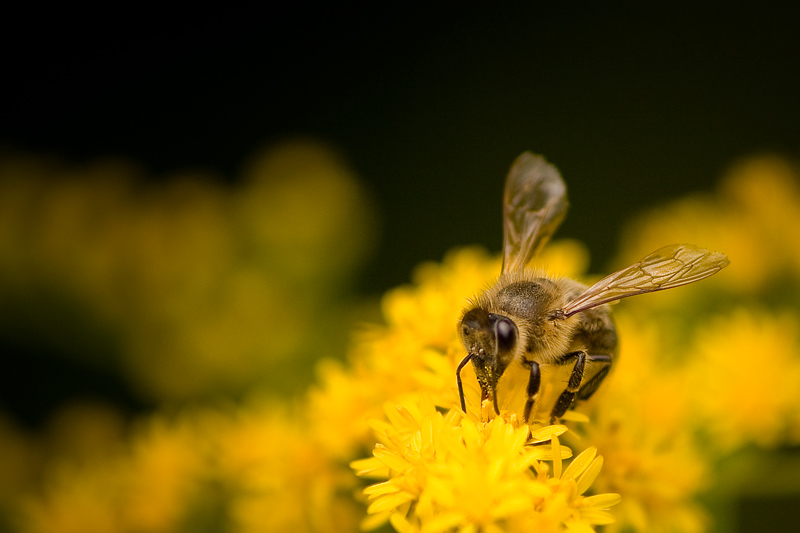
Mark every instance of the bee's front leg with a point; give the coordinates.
(461, 385)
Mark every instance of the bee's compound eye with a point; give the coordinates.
(506, 333)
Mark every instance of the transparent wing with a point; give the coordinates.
(668, 267)
(534, 204)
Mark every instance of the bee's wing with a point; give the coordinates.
(670, 266)
(534, 204)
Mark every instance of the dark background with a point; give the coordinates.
(430, 105)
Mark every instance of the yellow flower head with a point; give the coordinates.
(444, 472)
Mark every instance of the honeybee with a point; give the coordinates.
(536, 321)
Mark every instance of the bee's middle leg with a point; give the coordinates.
(534, 381)
(573, 385)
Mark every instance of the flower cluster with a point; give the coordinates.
(446, 472)
(706, 378)
(244, 468)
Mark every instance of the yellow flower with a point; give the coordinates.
(254, 467)
(658, 474)
(639, 421)
(19, 464)
(446, 472)
(754, 219)
(148, 488)
(277, 476)
(744, 378)
(74, 499)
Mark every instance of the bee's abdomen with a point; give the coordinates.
(597, 332)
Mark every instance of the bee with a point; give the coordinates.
(528, 319)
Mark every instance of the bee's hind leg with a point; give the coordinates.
(573, 385)
(589, 388)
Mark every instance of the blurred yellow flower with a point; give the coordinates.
(19, 464)
(146, 488)
(248, 468)
(754, 218)
(277, 476)
(197, 288)
(745, 375)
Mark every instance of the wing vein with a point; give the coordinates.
(667, 267)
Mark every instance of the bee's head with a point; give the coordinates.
(490, 339)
